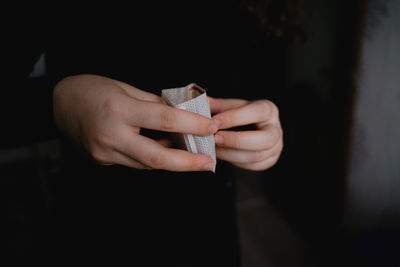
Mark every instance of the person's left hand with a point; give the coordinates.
(254, 149)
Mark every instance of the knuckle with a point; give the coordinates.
(229, 117)
(99, 156)
(103, 139)
(258, 156)
(234, 140)
(272, 138)
(262, 107)
(278, 150)
(268, 140)
(192, 163)
(266, 108)
(157, 160)
(111, 107)
(168, 119)
(234, 117)
(275, 110)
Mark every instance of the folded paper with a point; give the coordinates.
(192, 98)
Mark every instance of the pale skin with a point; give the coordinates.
(104, 116)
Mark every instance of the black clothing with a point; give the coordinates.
(117, 215)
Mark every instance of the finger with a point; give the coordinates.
(122, 159)
(218, 105)
(139, 94)
(108, 157)
(260, 112)
(249, 140)
(242, 156)
(266, 163)
(246, 156)
(161, 117)
(259, 166)
(150, 153)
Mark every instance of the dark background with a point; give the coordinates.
(295, 214)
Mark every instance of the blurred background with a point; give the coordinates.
(334, 196)
(333, 199)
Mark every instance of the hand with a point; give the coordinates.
(104, 116)
(251, 150)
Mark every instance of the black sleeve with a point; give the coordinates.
(26, 112)
(70, 47)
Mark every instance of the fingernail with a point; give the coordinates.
(208, 166)
(212, 129)
(219, 139)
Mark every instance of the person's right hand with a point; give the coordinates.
(105, 116)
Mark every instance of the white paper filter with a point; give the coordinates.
(193, 98)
